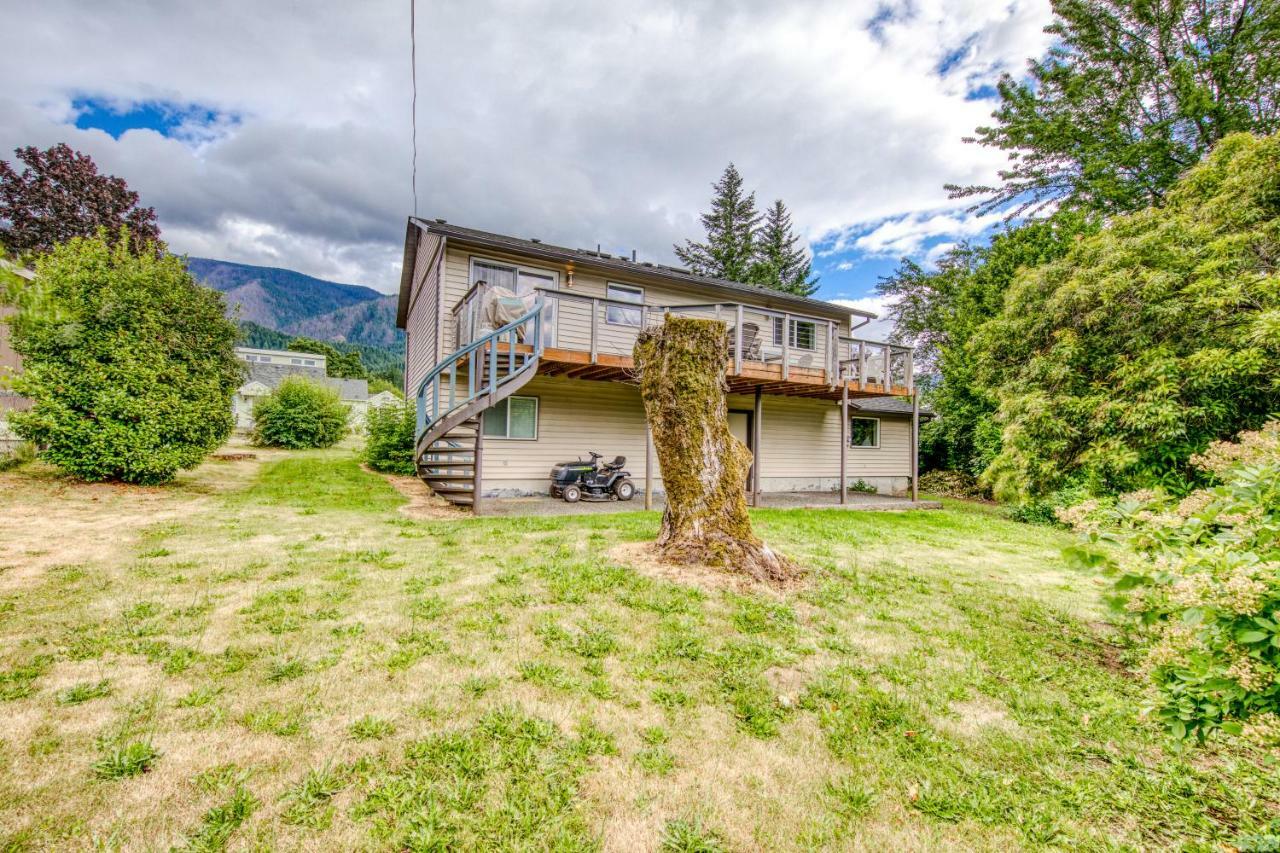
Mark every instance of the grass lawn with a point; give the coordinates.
(270, 654)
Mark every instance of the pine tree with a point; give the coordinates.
(780, 263)
(729, 250)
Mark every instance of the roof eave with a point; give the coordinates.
(556, 253)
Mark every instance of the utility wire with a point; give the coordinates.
(413, 76)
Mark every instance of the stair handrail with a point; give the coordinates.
(474, 388)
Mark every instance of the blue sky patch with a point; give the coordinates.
(164, 117)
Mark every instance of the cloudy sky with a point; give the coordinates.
(278, 133)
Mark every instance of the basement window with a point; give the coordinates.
(803, 333)
(864, 432)
(514, 417)
(618, 315)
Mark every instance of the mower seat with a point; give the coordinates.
(618, 462)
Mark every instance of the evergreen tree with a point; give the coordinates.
(781, 263)
(730, 247)
(1133, 94)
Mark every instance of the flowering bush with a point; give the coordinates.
(1199, 579)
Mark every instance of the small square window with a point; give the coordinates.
(620, 315)
(514, 417)
(803, 333)
(864, 432)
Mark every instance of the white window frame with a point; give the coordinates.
(537, 415)
(472, 260)
(616, 285)
(795, 323)
(875, 446)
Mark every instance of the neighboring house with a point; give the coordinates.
(265, 369)
(10, 366)
(383, 398)
(518, 354)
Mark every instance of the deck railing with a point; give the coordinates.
(799, 344)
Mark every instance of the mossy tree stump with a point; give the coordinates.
(681, 368)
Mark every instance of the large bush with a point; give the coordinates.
(1199, 579)
(389, 446)
(129, 362)
(299, 414)
(1146, 341)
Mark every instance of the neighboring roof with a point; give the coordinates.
(283, 353)
(588, 259)
(888, 406)
(20, 271)
(350, 390)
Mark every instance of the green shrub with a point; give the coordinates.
(862, 487)
(299, 414)
(1199, 580)
(129, 362)
(390, 429)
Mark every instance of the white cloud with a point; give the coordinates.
(573, 121)
(878, 329)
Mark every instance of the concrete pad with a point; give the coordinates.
(538, 505)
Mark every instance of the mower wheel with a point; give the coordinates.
(624, 489)
(571, 494)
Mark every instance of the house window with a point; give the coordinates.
(295, 361)
(803, 333)
(264, 358)
(618, 315)
(864, 432)
(310, 362)
(514, 417)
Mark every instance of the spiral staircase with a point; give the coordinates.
(449, 451)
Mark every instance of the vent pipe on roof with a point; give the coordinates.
(633, 256)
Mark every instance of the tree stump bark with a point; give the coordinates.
(681, 368)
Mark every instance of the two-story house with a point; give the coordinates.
(519, 356)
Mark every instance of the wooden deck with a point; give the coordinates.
(800, 381)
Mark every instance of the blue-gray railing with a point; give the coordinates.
(436, 405)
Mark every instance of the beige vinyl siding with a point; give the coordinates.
(422, 320)
(574, 315)
(800, 438)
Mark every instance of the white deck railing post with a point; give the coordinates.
(786, 346)
(737, 344)
(595, 310)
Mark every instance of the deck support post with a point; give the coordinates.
(844, 444)
(887, 379)
(477, 487)
(648, 465)
(915, 445)
(757, 421)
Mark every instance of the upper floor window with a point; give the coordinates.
(864, 432)
(619, 315)
(804, 334)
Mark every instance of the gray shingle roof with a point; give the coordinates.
(604, 261)
(888, 406)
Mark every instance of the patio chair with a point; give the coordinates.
(750, 342)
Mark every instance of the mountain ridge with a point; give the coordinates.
(298, 304)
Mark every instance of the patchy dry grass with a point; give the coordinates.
(268, 653)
